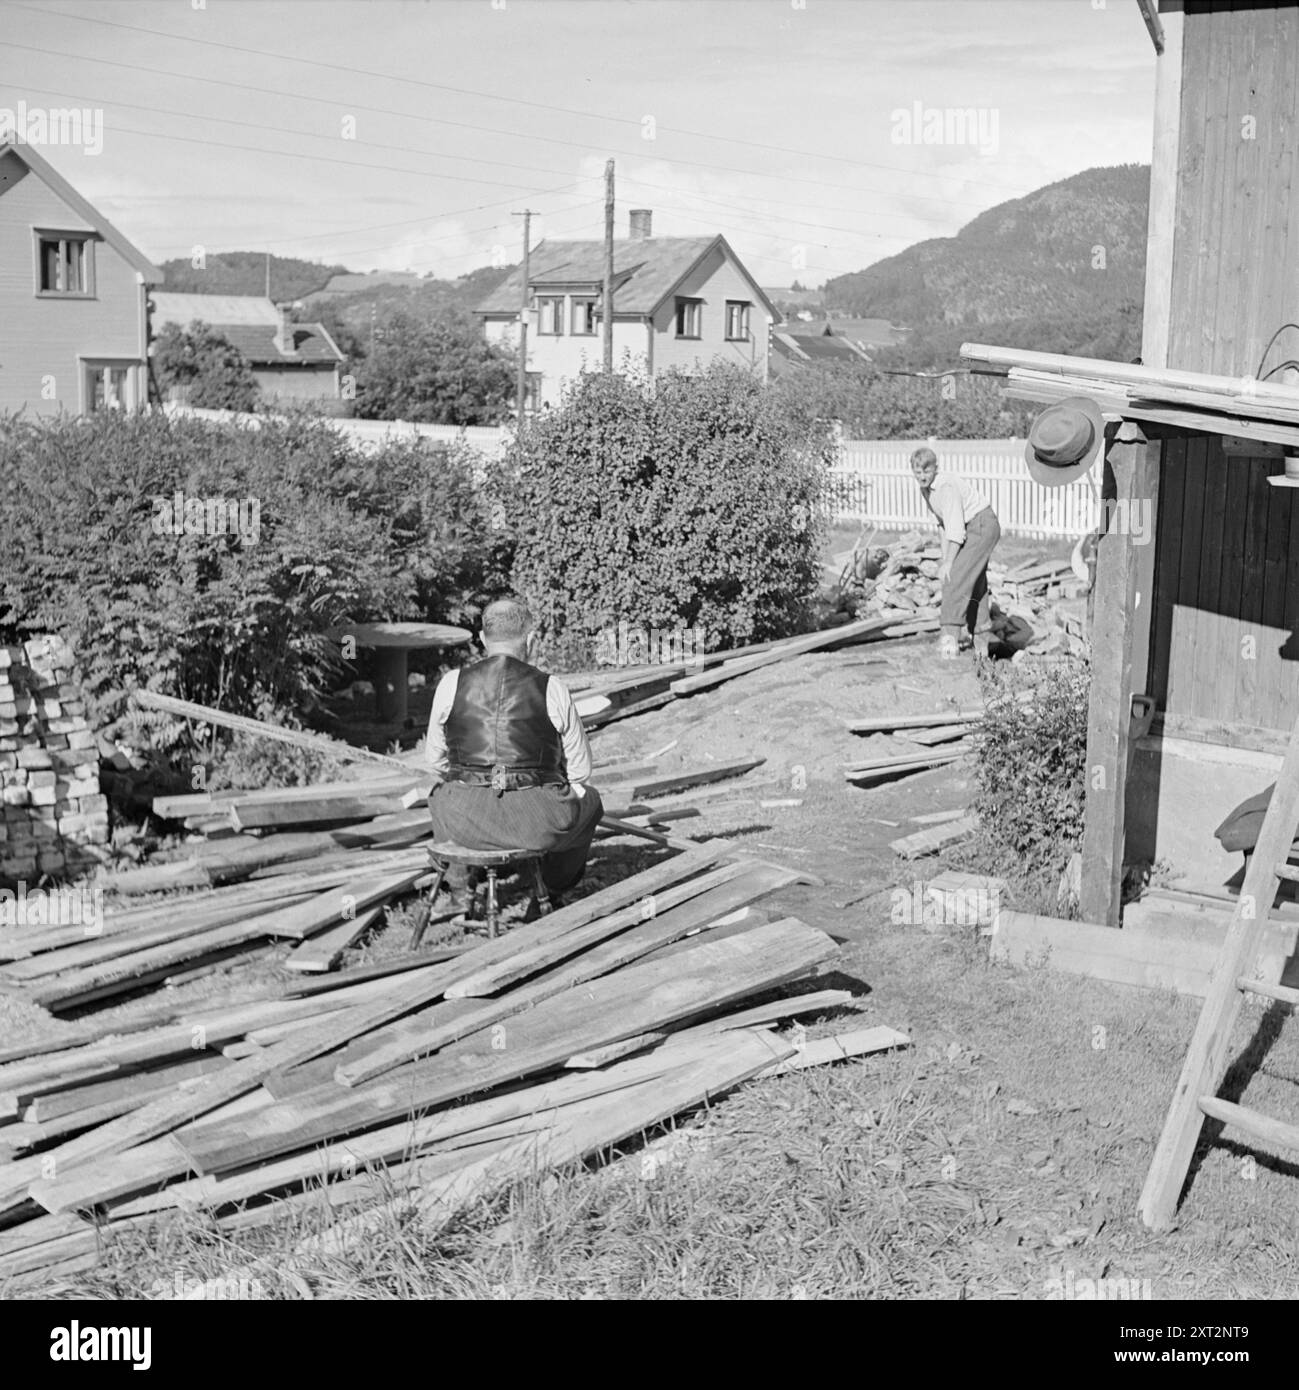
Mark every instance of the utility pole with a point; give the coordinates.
(522, 388)
(268, 275)
(608, 267)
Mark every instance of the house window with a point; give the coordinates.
(585, 317)
(532, 392)
(64, 264)
(737, 320)
(690, 315)
(550, 315)
(108, 386)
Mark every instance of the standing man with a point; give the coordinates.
(970, 535)
(509, 756)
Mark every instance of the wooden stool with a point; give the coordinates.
(445, 853)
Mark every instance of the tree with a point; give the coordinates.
(441, 372)
(213, 372)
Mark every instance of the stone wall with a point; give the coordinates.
(55, 820)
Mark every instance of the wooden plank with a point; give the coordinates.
(614, 1052)
(939, 817)
(797, 646)
(820, 1052)
(532, 960)
(414, 1136)
(294, 923)
(904, 766)
(695, 777)
(311, 815)
(1084, 948)
(315, 743)
(934, 838)
(733, 886)
(639, 999)
(1163, 195)
(321, 952)
(1131, 458)
(588, 1129)
(100, 948)
(885, 723)
(930, 738)
(49, 1105)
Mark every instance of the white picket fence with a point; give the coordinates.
(872, 480)
(370, 434)
(873, 484)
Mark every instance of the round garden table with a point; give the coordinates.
(392, 644)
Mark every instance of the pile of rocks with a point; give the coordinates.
(54, 815)
(1040, 609)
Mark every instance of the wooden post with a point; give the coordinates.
(522, 386)
(1131, 460)
(1163, 190)
(608, 268)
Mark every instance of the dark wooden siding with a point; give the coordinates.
(1226, 597)
(1235, 273)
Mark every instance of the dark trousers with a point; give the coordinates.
(553, 821)
(966, 605)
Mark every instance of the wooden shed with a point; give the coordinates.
(1201, 613)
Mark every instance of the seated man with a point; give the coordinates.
(510, 757)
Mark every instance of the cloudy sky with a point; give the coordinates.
(817, 135)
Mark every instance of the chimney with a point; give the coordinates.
(284, 330)
(641, 220)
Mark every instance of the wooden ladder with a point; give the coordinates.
(1234, 975)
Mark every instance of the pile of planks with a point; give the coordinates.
(436, 1083)
(630, 691)
(299, 875)
(934, 739)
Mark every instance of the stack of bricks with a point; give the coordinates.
(54, 815)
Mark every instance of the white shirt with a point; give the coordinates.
(954, 502)
(559, 706)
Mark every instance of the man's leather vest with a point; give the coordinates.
(499, 733)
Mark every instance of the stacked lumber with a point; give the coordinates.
(54, 817)
(555, 1041)
(1240, 406)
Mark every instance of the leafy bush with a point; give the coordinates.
(441, 371)
(235, 619)
(697, 502)
(211, 371)
(1031, 750)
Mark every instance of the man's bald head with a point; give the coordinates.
(507, 625)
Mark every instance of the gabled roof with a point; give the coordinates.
(225, 309)
(47, 173)
(646, 271)
(803, 347)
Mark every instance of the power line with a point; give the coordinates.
(353, 72)
(514, 135)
